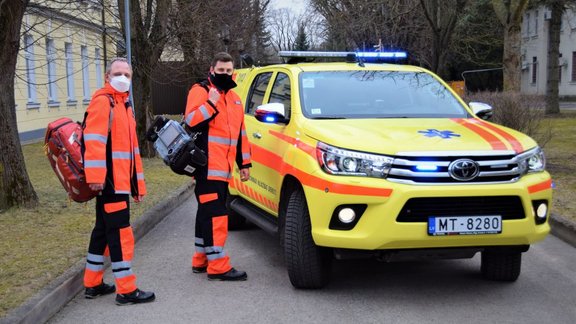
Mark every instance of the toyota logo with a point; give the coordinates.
(464, 169)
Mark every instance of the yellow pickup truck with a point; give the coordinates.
(358, 159)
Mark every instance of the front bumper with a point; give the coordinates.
(379, 229)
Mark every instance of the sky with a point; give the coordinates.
(297, 6)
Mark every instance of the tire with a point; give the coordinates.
(308, 265)
(501, 266)
(235, 220)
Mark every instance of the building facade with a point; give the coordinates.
(535, 52)
(64, 47)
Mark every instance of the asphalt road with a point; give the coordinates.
(360, 292)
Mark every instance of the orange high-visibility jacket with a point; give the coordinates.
(112, 157)
(223, 136)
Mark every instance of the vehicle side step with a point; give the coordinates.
(260, 218)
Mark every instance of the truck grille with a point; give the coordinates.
(419, 209)
(504, 168)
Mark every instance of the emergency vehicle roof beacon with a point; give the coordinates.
(385, 160)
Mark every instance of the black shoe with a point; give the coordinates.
(136, 297)
(100, 290)
(231, 275)
(199, 269)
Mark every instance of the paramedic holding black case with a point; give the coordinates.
(215, 110)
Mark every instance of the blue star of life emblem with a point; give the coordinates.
(442, 134)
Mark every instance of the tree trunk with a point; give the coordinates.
(511, 59)
(510, 15)
(15, 186)
(141, 87)
(552, 102)
(148, 37)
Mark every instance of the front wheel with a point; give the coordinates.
(501, 266)
(308, 264)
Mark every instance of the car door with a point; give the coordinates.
(257, 93)
(267, 146)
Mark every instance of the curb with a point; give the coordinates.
(45, 304)
(563, 229)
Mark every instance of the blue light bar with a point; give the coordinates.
(382, 54)
(270, 119)
(313, 54)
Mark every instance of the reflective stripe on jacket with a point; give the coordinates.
(226, 141)
(112, 157)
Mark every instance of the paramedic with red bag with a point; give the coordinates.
(114, 168)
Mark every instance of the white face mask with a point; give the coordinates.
(120, 83)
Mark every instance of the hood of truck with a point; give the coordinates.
(394, 136)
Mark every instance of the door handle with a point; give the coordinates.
(257, 135)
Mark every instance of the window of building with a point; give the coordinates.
(536, 23)
(573, 66)
(51, 66)
(70, 72)
(30, 71)
(528, 31)
(99, 72)
(534, 69)
(85, 74)
(560, 68)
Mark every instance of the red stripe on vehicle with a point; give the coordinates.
(494, 141)
(310, 150)
(540, 186)
(510, 138)
(275, 162)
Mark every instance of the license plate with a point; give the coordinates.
(465, 225)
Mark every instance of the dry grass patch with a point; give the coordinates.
(561, 163)
(38, 245)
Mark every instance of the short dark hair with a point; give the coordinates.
(222, 57)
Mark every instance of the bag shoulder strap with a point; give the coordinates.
(110, 117)
(204, 84)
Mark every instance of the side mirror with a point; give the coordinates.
(482, 110)
(272, 113)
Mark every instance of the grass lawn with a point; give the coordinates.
(561, 163)
(38, 245)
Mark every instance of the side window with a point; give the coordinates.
(257, 92)
(281, 92)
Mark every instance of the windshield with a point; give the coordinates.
(376, 94)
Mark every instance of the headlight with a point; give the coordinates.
(532, 161)
(335, 160)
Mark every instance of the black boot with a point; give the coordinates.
(231, 275)
(100, 290)
(136, 297)
(199, 269)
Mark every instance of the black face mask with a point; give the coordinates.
(222, 81)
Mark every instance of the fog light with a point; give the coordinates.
(346, 215)
(542, 210)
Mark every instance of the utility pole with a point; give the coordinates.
(104, 47)
(128, 44)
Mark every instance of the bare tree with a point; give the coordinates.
(203, 29)
(359, 25)
(510, 13)
(282, 26)
(442, 16)
(15, 186)
(148, 24)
